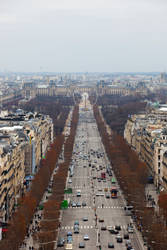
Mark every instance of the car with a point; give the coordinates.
(113, 231)
(76, 223)
(101, 220)
(85, 218)
(100, 194)
(69, 234)
(110, 228)
(69, 239)
(78, 194)
(117, 227)
(78, 204)
(128, 243)
(81, 245)
(86, 237)
(126, 236)
(107, 196)
(69, 181)
(84, 204)
(129, 247)
(76, 230)
(103, 228)
(130, 229)
(119, 239)
(60, 242)
(74, 204)
(110, 245)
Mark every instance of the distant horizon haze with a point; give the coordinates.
(83, 36)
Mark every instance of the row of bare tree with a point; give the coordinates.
(132, 175)
(21, 218)
(57, 107)
(49, 225)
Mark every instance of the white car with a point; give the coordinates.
(100, 194)
(86, 237)
(69, 181)
(130, 230)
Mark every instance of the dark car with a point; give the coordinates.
(101, 220)
(113, 231)
(117, 227)
(110, 245)
(84, 204)
(60, 242)
(129, 247)
(126, 236)
(103, 228)
(119, 239)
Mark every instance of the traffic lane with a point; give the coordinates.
(73, 214)
(106, 237)
(112, 217)
(77, 238)
(89, 244)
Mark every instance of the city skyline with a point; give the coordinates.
(83, 36)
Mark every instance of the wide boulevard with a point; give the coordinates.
(91, 205)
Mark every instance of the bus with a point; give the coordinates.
(114, 192)
(113, 181)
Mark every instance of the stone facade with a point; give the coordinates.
(24, 140)
(147, 135)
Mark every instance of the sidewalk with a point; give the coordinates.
(152, 196)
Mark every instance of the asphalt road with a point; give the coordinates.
(88, 148)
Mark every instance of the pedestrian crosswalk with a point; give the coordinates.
(123, 227)
(112, 207)
(103, 207)
(80, 187)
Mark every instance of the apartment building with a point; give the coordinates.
(147, 135)
(24, 140)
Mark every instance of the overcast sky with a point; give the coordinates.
(83, 35)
